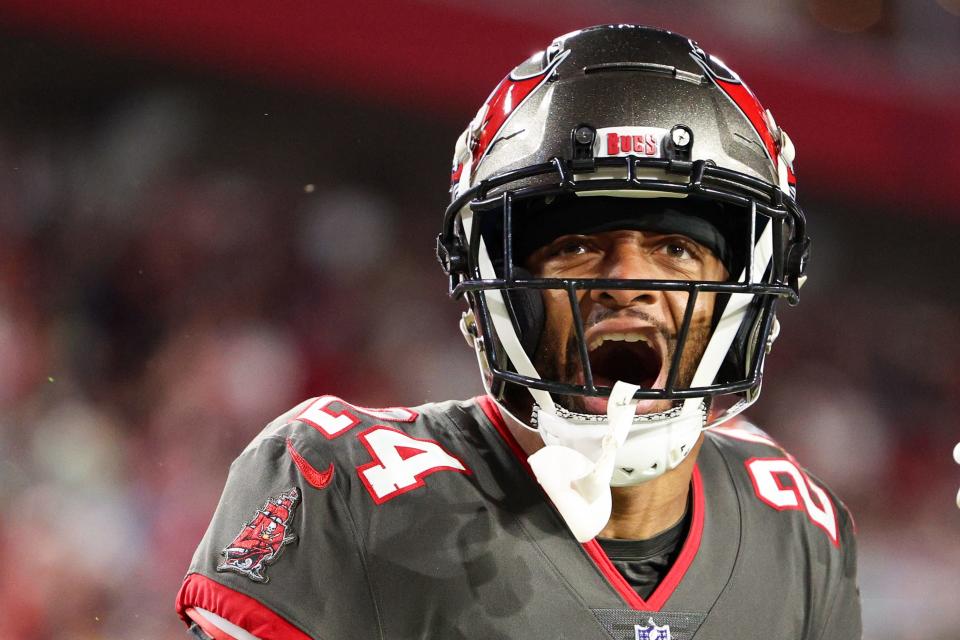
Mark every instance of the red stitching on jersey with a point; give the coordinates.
(317, 479)
(240, 609)
(492, 411)
(690, 546)
(614, 577)
(673, 578)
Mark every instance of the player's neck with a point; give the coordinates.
(641, 511)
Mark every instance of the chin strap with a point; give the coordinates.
(577, 480)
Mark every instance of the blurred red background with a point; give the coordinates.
(210, 211)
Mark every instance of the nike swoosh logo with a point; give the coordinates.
(317, 479)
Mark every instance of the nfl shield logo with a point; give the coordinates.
(653, 632)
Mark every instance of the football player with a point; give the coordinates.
(623, 227)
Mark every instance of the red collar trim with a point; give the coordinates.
(670, 582)
(492, 411)
(691, 545)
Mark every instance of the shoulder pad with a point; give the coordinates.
(775, 477)
(743, 430)
(332, 416)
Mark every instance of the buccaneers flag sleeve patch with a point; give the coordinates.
(262, 538)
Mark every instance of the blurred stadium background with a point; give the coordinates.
(209, 211)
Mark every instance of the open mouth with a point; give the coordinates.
(627, 356)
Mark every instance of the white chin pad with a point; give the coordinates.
(578, 480)
(652, 450)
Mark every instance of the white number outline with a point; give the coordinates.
(377, 463)
(765, 475)
(328, 422)
(334, 423)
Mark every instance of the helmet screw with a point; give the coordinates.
(584, 135)
(581, 138)
(681, 139)
(680, 136)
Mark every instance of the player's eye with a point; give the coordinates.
(680, 250)
(570, 246)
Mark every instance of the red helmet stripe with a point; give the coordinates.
(748, 103)
(502, 102)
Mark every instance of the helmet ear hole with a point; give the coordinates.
(526, 310)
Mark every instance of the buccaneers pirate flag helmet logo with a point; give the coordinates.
(262, 538)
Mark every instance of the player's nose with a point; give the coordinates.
(626, 261)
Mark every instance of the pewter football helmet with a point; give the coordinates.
(635, 127)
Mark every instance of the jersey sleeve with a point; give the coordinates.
(282, 557)
(844, 617)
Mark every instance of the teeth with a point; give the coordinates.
(616, 337)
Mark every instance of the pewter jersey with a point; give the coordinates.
(343, 522)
